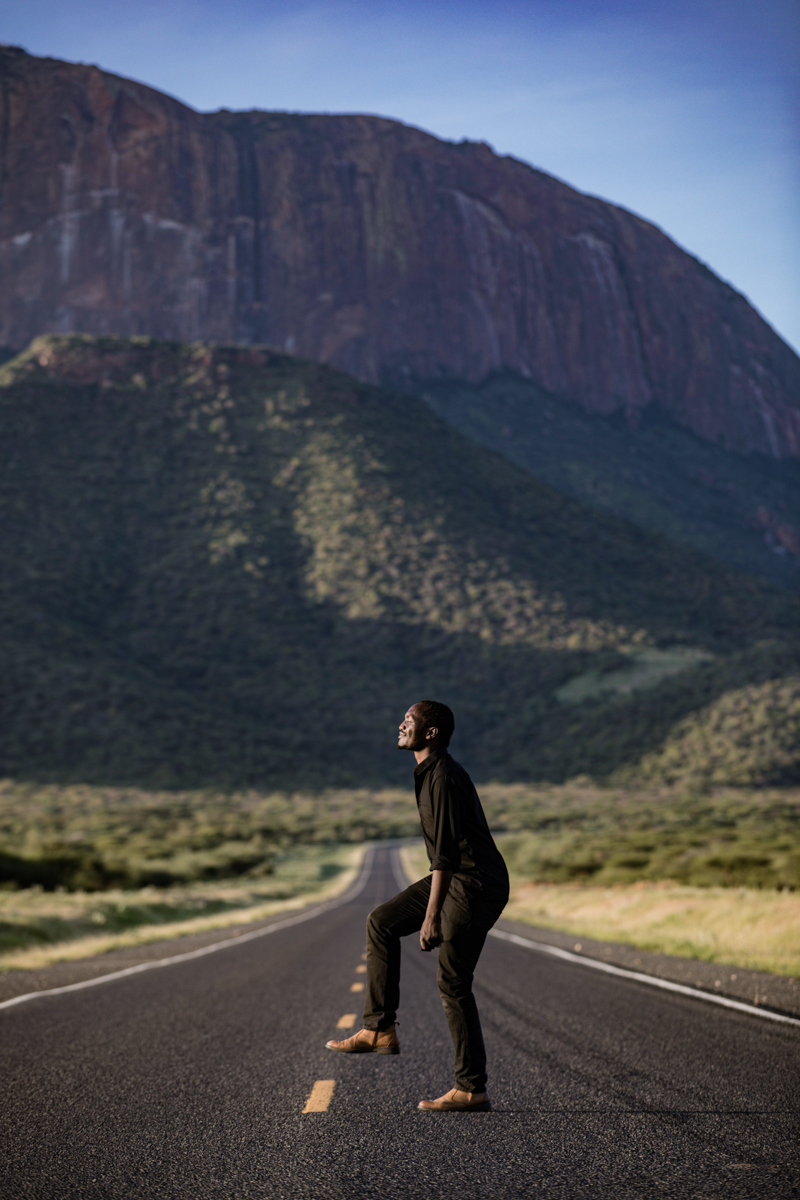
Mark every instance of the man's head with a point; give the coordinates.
(428, 725)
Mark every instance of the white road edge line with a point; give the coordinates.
(349, 895)
(652, 980)
(639, 976)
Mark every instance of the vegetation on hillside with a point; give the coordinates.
(743, 511)
(225, 568)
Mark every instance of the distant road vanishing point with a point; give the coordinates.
(209, 1078)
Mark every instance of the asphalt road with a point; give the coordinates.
(190, 1081)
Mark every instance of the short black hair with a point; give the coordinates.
(440, 716)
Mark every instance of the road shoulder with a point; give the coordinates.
(781, 993)
(62, 974)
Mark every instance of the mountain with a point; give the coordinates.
(742, 510)
(227, 566)
(366, 244)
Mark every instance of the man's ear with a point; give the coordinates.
(431, 734)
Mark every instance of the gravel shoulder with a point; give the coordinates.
(781, 993)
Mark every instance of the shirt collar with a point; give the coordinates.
(426, 764)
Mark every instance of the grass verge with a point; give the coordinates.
(139, 866)
(39, 928)
(743, 927)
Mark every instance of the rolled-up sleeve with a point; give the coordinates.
(446, 812)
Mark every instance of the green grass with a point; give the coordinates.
(211, 859)
(641, 669)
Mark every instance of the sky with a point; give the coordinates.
(684, 111)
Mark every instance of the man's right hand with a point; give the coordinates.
(430, 935)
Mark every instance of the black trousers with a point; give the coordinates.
(458, 957)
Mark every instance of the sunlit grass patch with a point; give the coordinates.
(744, 927)
(646, 668)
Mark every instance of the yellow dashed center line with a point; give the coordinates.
(321, 1096)
(347, 1021)
(356, 987)
(362, 970)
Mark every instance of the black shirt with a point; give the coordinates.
(456, 835)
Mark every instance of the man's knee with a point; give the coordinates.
(377, 924)
(454, 986)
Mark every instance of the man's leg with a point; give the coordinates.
(386, 924)
(458, 958)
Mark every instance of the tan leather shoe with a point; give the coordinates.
(368, 1041)
(456, 1101)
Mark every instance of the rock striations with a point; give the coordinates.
(366, 244)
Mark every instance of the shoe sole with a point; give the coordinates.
(486, 1107)
(367, 1050)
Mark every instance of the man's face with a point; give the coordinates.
(413, 729)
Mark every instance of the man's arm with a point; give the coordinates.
(430, 935)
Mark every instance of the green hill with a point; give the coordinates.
(227, 567)
(742, 510)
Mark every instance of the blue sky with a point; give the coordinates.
(686, 111)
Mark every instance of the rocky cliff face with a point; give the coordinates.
(366, 244)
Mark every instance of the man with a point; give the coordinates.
(453, 908)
